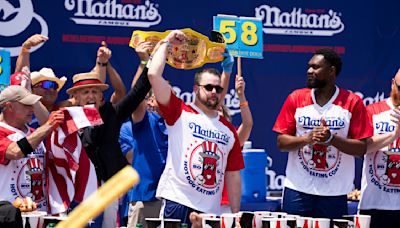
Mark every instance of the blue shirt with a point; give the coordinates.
(149, 141)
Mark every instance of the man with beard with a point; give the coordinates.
(203, 146)
(380, 189)
(322, 127)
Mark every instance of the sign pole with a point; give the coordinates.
(239, 66)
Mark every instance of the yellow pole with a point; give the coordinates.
(99, 200)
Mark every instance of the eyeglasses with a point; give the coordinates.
(47, 85)
(210, 88)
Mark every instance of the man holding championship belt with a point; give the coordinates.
(203, 147)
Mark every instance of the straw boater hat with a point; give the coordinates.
(47, 74)
(84, 80)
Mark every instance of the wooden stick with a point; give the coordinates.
(99, 200)
(239, 66)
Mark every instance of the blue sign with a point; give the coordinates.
(243, 35)
(5, 68)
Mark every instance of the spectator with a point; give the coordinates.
(144, 140)
(21, 148)
(322, 127)
(203, 147)
(101, 142)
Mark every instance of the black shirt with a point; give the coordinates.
(101, 142)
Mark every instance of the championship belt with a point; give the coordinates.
(196, 51)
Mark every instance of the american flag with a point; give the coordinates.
(71, 176)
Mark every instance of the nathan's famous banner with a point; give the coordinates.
(365, 35)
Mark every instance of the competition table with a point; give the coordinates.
(274, 204)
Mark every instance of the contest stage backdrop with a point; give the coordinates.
(366, 34)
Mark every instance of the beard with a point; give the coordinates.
(395, 97)
(316, 83)
(208, 102)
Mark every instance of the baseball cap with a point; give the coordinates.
(18, 93)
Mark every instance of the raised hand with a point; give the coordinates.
(142, 50)
(227, 63)
(176, 37)
(103, 53)
(34, 40)
(240, 85)
(26, 81)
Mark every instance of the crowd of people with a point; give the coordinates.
(189, 156)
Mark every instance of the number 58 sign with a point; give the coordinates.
(243, 35)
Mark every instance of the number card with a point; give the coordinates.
(243, 35)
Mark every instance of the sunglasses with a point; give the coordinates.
(210, 88)
(47, 85)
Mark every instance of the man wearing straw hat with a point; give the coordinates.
(101, 142)
(203, 147)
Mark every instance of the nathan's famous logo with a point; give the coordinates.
(110, 13)
(16, 20)
(320, 157)
(204, 170)
(298, 22)
(334, 123)
(231, 99)
(216, 135)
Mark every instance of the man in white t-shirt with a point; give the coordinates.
(203, 147)
(322, 127)
(21, 148)
(380, 185)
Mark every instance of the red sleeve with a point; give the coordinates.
(285, 122)
(4, 143)
(235, 158)
(172, 110)
(361, 122)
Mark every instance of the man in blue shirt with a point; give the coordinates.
(144, 142)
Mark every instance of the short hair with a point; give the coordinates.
(197, 76)
(331, 57)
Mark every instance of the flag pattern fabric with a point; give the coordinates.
(71, 176)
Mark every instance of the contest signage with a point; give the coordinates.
(5, 68)
(243, 35)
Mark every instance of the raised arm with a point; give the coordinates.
(142, 51)
(244, 129)
(117, 84)
(161, 88)
(24, 55)
(103, 55)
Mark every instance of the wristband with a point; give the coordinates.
(144, 62)
(244, 104)
(329, 139)
(25, 146)
(102, 64)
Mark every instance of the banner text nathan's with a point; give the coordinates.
(111, 13)
(299, 23)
